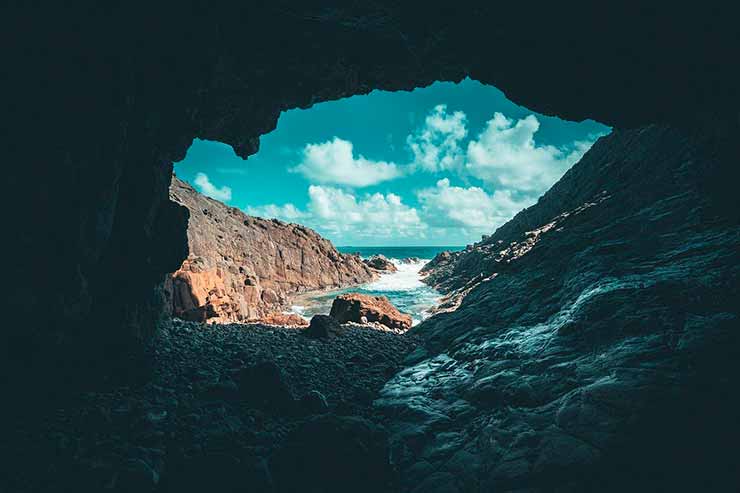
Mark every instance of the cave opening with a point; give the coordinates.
(358, 196)
(590, 343)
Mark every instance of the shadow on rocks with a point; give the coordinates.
(330, 453)
(263, 386)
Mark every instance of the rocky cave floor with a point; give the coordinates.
(227, 408)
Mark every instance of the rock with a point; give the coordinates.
(284, 319)
(241, 268)
(137, 475)
(353, 307)
(324, 327)
(263, 386)
(331, 454)
(314, 402)
(224, 390)
(410, 260)
(380, 262)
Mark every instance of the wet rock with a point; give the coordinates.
(381, 263)
(353, 307)
(324, 327)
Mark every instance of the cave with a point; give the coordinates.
(603, 356)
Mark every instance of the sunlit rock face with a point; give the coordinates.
(243, 268)
(593, 334)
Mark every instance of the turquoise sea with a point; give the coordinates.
(403, 288)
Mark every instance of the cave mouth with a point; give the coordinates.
(389, 179)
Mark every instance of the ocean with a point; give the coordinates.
(403, 288)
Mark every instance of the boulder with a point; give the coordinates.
(380, 262)
(263, 386)
(355, 307)
(289, 319)
(324, 327)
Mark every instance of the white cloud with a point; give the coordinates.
(334, 162)
(207, 188)
(345, 217)
(436, 146)
(507, 156)
(445, 206)
(287, 212)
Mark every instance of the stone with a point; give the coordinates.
(381, 263)
(313, 402)
(262, 385)
(284, 319)
(324, 327)
(137, 475)
(242, 268)
(354, 307)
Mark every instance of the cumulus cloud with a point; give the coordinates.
(436, 146)
(334, 162)
(507, 156)
(345, 216)
(287, 212)
(472, 208)
(205, 187)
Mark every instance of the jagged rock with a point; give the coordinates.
(572, 343)
(242, 268)
(285, 319)
(410, 260)
(382, 263)
(355, 307)
(324, 327)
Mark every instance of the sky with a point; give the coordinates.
(437, 166)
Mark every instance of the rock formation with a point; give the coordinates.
(110, 132)
(324, 327)
(242, 268)
(381, 263)
(362, 308)
(580, 331)
(603, 358)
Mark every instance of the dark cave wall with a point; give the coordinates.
(100, 102)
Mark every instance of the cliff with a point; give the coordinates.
(242, 268)
(594, 333)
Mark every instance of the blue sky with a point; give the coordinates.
(435, 166)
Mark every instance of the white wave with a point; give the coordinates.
(407, 278)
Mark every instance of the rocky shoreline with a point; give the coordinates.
(227, 404)
(242, 268)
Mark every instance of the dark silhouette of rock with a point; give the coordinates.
(332, 453)
(380, 262)
(313, 402)
(263, 386)
(362, 308)
(242, 268)
(638, 385)
(324, 327)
